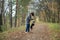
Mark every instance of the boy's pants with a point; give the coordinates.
(27, 27)
(32, 26)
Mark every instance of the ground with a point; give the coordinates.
(40, 32)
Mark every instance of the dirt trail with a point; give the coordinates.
(39, 32)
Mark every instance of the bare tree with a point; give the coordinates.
(10, 11)
(1, 13)
(16, 18)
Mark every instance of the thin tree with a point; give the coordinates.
(1, 13)
(10, 12)
(16, 13)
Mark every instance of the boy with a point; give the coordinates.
(28, 23)
(28, 20)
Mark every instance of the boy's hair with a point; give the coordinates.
(32, 13)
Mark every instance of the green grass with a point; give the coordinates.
(3, 35)
(54, 26)
(15, 29)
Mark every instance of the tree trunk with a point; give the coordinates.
(58, 17)
(16, 18)
(10, 12)
(1, 12)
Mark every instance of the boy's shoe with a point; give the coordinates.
(26, 32)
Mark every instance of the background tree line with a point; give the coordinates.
(49, 11)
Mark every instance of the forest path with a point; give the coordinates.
(39, 32)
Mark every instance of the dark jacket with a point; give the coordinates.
(28, 19)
